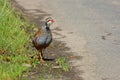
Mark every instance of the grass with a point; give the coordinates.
(12, 42)
(12, 36)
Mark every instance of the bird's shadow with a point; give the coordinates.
(48, 59)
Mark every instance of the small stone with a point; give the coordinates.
(57, 67)
(27, 65)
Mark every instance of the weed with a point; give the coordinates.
(63, 62)
(12, 42)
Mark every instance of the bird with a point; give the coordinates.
(43, 37)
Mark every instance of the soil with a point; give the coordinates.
(45, 71)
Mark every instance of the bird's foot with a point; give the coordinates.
(41, 60)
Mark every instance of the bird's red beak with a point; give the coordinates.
(52, 21)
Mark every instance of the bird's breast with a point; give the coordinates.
(44, 40)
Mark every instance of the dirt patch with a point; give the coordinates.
(47, 70)
(50, 70)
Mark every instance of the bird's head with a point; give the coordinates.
(49, 21)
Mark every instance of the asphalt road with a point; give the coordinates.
(97, 21)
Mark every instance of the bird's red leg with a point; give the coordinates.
(41, 56)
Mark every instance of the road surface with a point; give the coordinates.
(92, 29)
